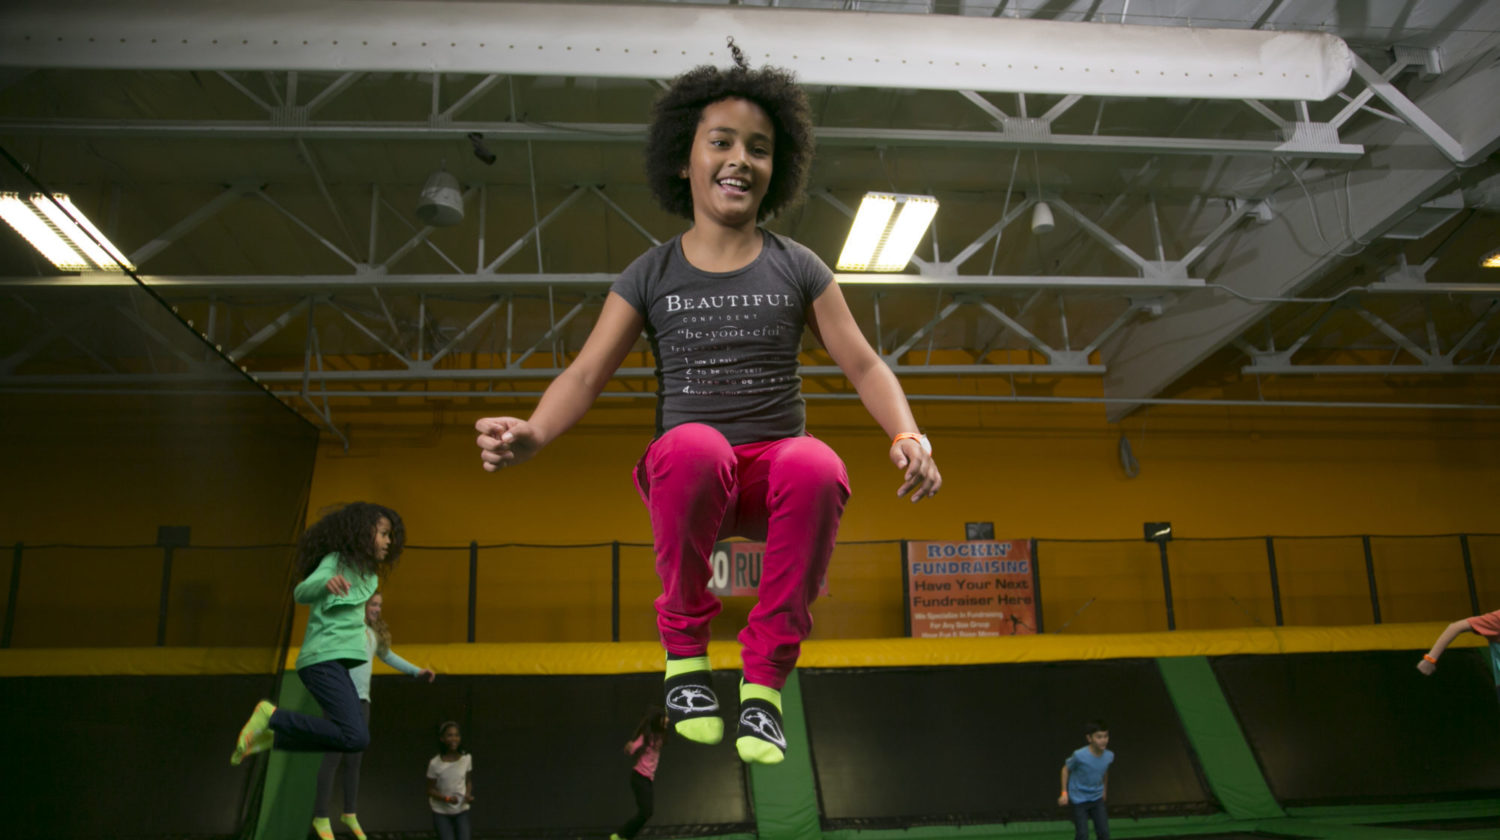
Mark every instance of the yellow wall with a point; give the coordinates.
(1035, 471)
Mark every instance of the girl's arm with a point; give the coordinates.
(469, 786)
(1451, 632)
(510, 440)
(390, 658)
(878, 388)
(314, 587)
(432, 791)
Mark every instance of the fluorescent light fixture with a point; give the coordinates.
(35, 230)
(64, 241)
(886, 231)
(1491, 260)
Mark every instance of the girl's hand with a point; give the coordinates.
(505, 441)
(337, 585)
(922, 477)
(468, 797)
(428, 673)
(453, 799)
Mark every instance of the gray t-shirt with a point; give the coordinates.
(726, 343)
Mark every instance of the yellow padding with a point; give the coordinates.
(645, 657)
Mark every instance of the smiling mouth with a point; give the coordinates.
(735, 185)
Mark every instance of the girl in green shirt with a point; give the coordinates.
(341, 560)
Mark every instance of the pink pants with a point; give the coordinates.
(699, 489)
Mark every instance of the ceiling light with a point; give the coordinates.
(886, 231)
(62, 234)
(1491, 260)
(1041, 218)
(441, 203)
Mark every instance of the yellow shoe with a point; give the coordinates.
(352, 822)
(255, 736)
(323, 828)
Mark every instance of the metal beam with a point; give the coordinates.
(498, 132)
(1409, 111)
(937, 52)
(1278, 259)
(231, 194)
(585, 280)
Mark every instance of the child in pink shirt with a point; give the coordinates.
(645, 748)
(1487, 625)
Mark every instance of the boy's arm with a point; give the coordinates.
(1451, 632)
(1062, 798)
(1106, 785)
(314, 588)
(879, 389)
(510, 440)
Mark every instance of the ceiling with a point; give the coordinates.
(1207, 246)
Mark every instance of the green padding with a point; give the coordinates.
(785, 799)
(1232, 773)
(286, 805)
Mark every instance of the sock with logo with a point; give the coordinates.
(692, 706)
(760, 739)
(322, 828)
(352, 822)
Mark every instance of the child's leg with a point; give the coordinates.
(797, 487)
(642, 788)
(1100, 813)
(352, 763)
(445, 826)
(1080, 812)
(342, 729)
(326, 771)
(461, 825)
(687, 481)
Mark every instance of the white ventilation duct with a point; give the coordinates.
(889, 50)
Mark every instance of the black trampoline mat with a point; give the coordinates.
(983, 744)
(1365, 726)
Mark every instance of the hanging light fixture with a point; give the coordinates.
(886, 231)
(1041, 218)
(61, 233)
(441, 203)
(1490, 260)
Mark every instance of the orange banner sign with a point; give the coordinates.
(968, 589)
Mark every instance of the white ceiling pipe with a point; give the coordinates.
(887, 50)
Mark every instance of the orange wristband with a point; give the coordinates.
(1428, 657)
(906, 436)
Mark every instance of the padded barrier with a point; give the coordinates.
(910, 746)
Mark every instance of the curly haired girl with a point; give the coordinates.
(341, 560)
(724, 306)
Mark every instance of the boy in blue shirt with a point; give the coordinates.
(1085, 782)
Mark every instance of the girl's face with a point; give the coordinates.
(729, 164)
(382, 538)
(372, 609)
(451, 739)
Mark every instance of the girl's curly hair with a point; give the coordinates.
(350, 531)
(677, 111)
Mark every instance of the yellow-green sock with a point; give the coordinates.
(353, 824)
(323, 828)
(692, 706)
(760, 739)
